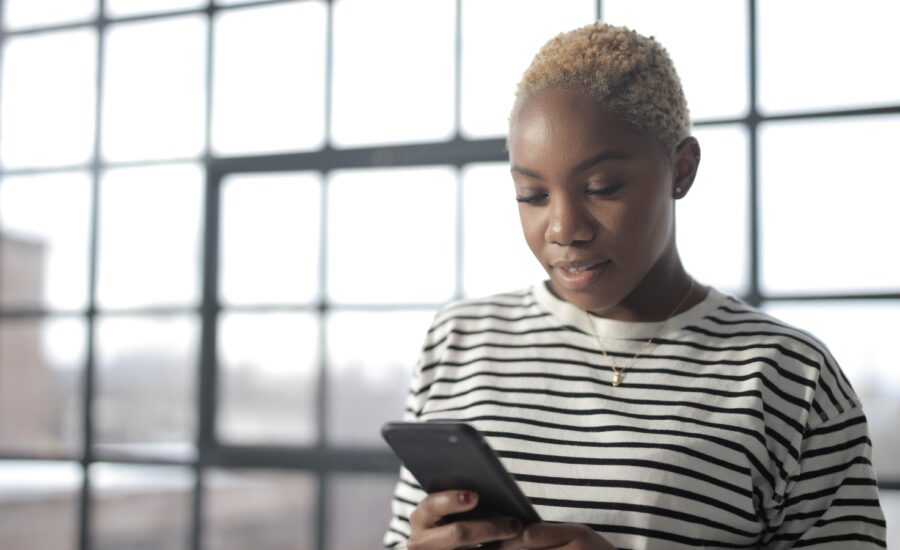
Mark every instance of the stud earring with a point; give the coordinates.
(678, 190)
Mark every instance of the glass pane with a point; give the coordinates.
(713, 225)
(818, 71)
(284, 212)
(259, 509)
(714, 77)
(41, 370)
(47, 108)
(829, 194)
(393, 71)
(124, 8)
(268, 378)
(890, 503)
(859, 335)
(140, 507)
(492, 67)
(391, 235)
(154, 90)
(39, 505)
(145, 396)
(31, 13)
(269, 79)
(370, 361)
(496, 257)
(367, 499)
(150, 236)
(44, 232)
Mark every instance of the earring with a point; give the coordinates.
(678, 190)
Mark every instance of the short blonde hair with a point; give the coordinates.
(631, 75)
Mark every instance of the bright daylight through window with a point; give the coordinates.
(214, 284)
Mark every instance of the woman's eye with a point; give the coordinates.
(605, 191)
(537, 198)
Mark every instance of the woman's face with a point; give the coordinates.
(596, 200)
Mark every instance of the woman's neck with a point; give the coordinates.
(655, 298)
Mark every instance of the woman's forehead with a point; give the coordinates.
(569, 119)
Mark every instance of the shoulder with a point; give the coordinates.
(489, 320)
(738, 319)
(508, 307)
(799, 356)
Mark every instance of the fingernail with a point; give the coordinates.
(513, 526)
(465, 497)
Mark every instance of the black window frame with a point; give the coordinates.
(321, 460)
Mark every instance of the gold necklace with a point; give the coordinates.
(618, 373)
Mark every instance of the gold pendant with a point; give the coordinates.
(617, 378)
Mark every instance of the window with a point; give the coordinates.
(225, 227)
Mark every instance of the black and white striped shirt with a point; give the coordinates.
(733, 430)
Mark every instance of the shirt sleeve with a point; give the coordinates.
(407, 492)
(831, 500)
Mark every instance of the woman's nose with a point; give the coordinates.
(569, 222)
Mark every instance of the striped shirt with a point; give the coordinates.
(732, 430)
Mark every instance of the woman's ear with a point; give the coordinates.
(687, 160)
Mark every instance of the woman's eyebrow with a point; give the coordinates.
(587, 163)
(526, 172)
(597, 159)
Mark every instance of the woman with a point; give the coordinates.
(635, 407)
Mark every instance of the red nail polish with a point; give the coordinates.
(465, 497)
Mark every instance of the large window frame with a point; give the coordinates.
(321, 460)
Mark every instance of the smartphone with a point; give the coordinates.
(445, 455)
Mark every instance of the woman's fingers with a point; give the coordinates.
(465, 534)
(430, 533)
(546, 536)
(435, 506)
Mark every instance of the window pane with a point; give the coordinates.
(259, 509)
(145, 398)
(44, 232)
(270, 238)
(890, 503)
(269, 79)
(41, 370)
(125, 8)
(140, 507)
(496, 257)
(268, 374)
(370, 362)
(31, 13)
(150, 236)
(841, 60)
(39, 505)
(491, 66)
(829, 194)
(153, 94)
(47, 108)
(707, 40)
(391, 235)
(713, 227)
(367, 499)
(859, 335)
(393, 71)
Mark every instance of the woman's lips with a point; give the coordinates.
(579, 275)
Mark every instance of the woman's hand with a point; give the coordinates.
(429, 533)
(557, 536)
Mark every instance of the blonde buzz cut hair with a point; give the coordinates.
(630, 75)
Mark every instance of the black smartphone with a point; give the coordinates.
(453, 455)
